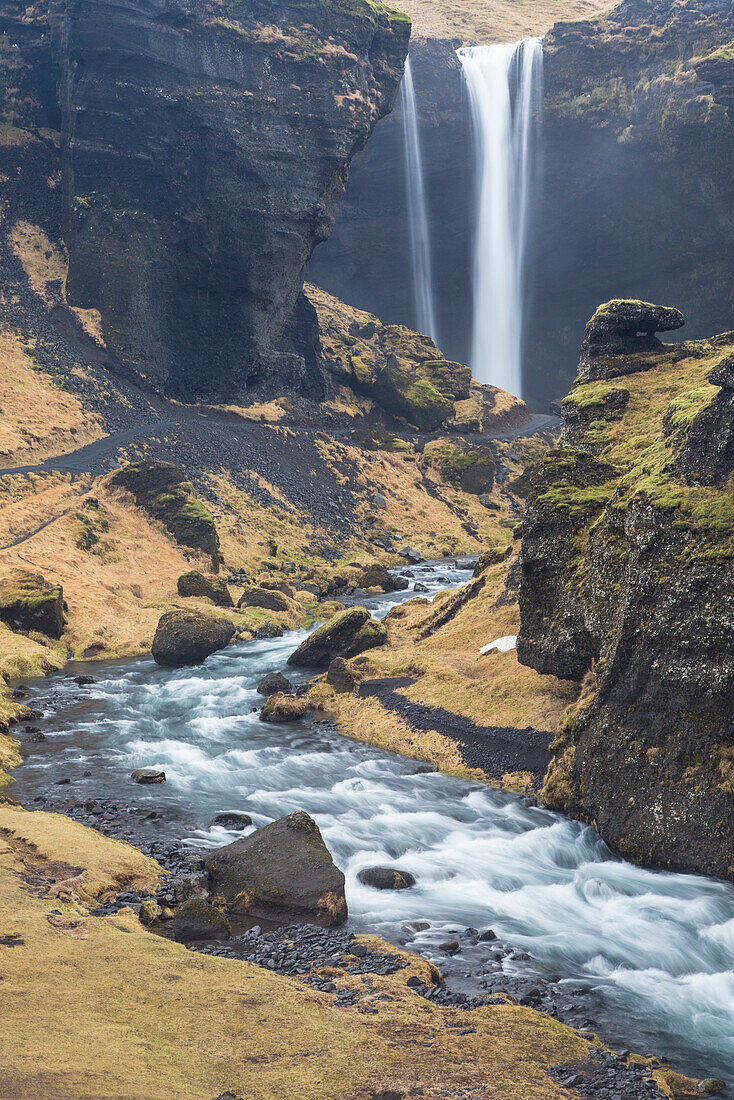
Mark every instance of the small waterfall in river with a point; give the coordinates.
(505, 84)
(420, 245)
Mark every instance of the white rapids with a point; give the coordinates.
(505, 85)
(654, 951)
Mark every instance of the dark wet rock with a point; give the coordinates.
(231, 819)
(264, 597)
(411, 555)
(341, 676)
(620, 338)
(29, 602)
(37, 737)
(148, 776)
(347, 634)
(386, 878)
(189, 637)
(283, 708)
(419, 587)
(284, 867)
(164, 493)
(211, 588)
(268, 630)
(449, 947)
(274, 682)
(184, 887)
(377, 576)
(84, 681)
(196, 919)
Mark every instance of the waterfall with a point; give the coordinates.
(420, 246)
(505, 84)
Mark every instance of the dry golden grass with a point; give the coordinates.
(37, 418)
(450, 673)
(475, 21)
(128, 1014)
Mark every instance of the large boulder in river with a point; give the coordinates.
(345, 635)
(189, 637)
(196, 919)
(29, 602)
(283, 707)
(270, 599)
(377, 576)
(386, 878)
(282, 871)
(211, 588)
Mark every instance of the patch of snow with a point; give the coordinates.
(501, 645)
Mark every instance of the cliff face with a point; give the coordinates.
(636, 199)
(205, 152)
(628, 580)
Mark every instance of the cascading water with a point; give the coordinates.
(505, 85)
(420, 244)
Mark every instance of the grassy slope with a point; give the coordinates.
(101, 1008)
(475, 21)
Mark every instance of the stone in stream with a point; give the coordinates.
(147, 776)
(283, 708)
(348, 633)
(196, 919)
(273, 683)
(386, 878)
(377, 576)
(270, 599)
(189, 637)
(283, 868)
(231, 819)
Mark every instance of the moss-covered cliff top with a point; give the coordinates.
(474, 21)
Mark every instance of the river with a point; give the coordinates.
(645, 956)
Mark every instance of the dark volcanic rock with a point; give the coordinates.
(386, 878)
(29, 602)
(196, 919)
(148, 776)
(283, 868)
(264, 597)
(627, 583)
(282, 707)
(347, 634)
(274, 682)
(195, 583)
(232, 819)
(204, 159)
(377, 576)
(189, 637)
(620, 338)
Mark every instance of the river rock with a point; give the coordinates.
(184, 887)
(386, 878)
(274, 682)
(196, 919)
(29, 602)
(377, 576)
(284, 868)
(232, 819)
(347, 634)
(211, 588)
(189, 637)
(340, 676)
(283, 708)
(148, 776)
(271, 600)
(410, 554)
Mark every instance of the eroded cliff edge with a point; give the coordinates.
(205, 147)
(628, 581)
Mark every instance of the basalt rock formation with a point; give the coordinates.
(628, 583)
(204, 153)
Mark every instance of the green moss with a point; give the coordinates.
(686, 407)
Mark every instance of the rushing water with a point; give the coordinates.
(505, 93)
(651, 952)
(420, 244)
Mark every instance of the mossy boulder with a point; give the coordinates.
(377, 576)
(281, 870)
(196, 919)
(195, 583)
(161, 490)
(452, 380)
(29, 602)
(403, 393)
(264, 597)
(274, 682)
(470, 468)
(345, 635)
(620, 338)
(189, 637)
(282, 707)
